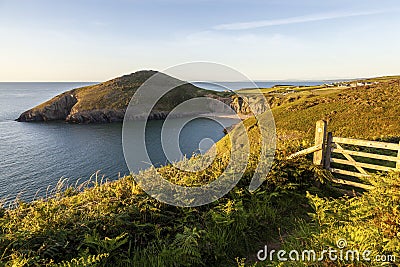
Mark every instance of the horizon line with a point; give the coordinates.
(253, 80)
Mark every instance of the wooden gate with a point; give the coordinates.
(327, 150)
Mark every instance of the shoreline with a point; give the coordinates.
(225, 116)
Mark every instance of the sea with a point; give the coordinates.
(34, 157)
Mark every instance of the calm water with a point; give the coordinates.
(34, 156)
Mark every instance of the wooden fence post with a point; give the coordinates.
(320, 137)
(328, 151)
(398, 158)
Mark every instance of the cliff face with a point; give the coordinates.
(248, 104)
(96, 116)
(56, 109)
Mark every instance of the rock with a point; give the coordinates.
(58, 109)
(247, 105)
(96, 116)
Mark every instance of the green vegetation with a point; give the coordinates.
(297, 207)
(384, 78)
(117, 224)
(368, 222)
(367, 112)
(280, 89)
(116, 93)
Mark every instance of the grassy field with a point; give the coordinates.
(366, 112)
(297, 207)
(282, 89)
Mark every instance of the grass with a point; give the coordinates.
(282, 89)
(363, 112)
(117, 224)
(366, 112)
(368, 222)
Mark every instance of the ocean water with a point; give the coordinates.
(34, 156)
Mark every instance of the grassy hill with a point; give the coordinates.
(116, 93)
(366, 112)
(107, 101)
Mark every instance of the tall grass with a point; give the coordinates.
(117, 224)
(367, 222)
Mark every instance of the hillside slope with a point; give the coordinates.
(364, 112)
(107, 101)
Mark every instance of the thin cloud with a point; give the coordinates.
(292, 20)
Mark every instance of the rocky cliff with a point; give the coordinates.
(248, 104)
(56, 109)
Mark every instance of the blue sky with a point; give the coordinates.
(88, 40)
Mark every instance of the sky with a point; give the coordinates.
(96, 40)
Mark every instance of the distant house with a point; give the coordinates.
(355, 84)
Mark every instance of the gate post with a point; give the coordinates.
(398, 157)
(320, 137)
(328, 151)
